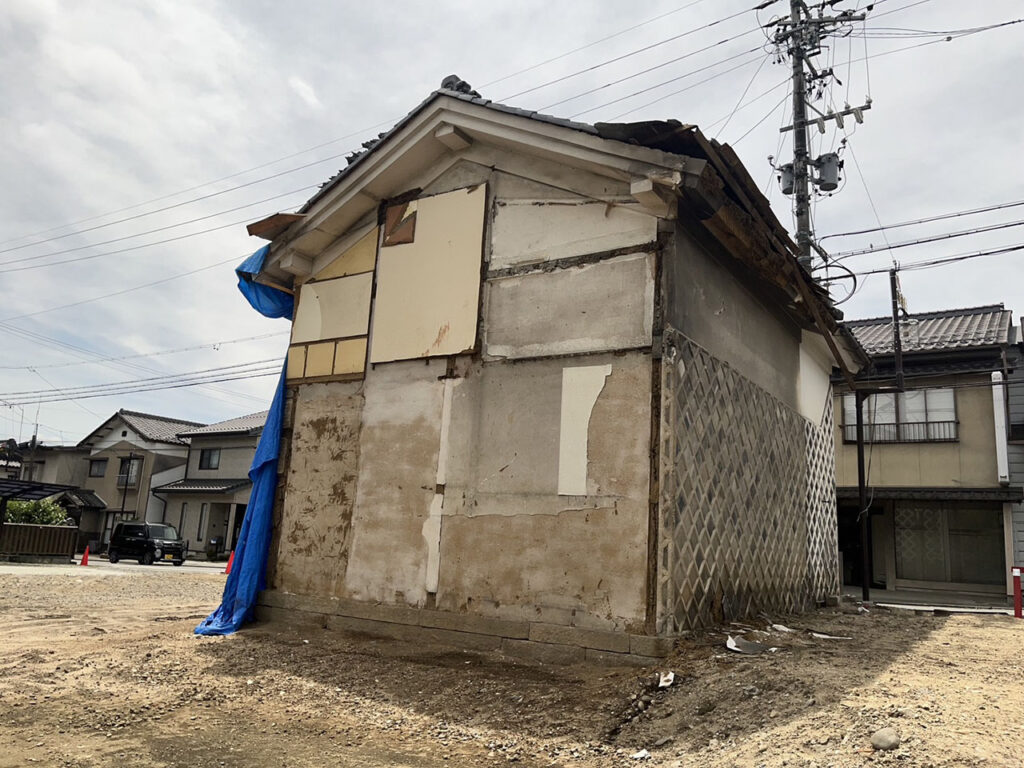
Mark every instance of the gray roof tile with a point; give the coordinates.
(160, 429)
(249, 424)
(946, 330)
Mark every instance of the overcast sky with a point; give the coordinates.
(116, 110)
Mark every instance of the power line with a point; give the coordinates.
(942, 261)
(928, 219)
(924, 240)
(648, 70)
(209, 345)
(742, 64)
(632, 53)
(591, 45)
(361, 131)
(158, 229)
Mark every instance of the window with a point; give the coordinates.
(128, 473)
(209, 458)
(917, 416)
(97, 467)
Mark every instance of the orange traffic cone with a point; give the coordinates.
(85, 557)
(231, 559)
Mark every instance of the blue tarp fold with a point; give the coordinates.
(249, 571)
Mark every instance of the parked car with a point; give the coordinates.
(146, 542)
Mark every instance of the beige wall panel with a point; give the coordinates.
(597, 307)
(350, 356)
(361, 257)
(530, 231)
(399, 440)
(814, 387)
(428, 290)
(314, 533)
(969, 462)
(333, 308)
(510, 545)
(320, 359)
(296, 361)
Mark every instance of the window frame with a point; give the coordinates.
(209, 458)
(94, 463)
(899, 430)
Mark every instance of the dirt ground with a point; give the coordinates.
(101, 668)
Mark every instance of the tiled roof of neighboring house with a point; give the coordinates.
(202, 486)
(949, 329)
(157, 428)
(251, 424)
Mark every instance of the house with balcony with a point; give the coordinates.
(207, 504)
(941, 497)
(124, 455)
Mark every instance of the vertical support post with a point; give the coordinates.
(897, 337)
(862, 502)
(800, 154)
(1018, 609)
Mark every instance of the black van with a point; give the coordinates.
(146, 542)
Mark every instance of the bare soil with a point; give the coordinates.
(100, 668)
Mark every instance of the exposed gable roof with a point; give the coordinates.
(947, 330)
(251, 424)
(157, 429)
(657, 159)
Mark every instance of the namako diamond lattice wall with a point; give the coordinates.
(747, 509)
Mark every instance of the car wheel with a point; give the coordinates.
(147, 559)
(177, 562)
(112, 556)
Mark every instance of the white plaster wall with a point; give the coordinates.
(532, 231)
(592, 308)
(813, 384)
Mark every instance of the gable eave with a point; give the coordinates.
(413, 146)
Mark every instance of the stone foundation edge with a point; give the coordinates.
(536, 641)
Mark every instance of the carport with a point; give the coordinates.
(19, 540)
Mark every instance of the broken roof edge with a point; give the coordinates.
(660, 144)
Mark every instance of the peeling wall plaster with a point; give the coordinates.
(580, 389)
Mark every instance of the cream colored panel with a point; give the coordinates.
(351, 356)
(361, 257)
(333, 308)
(428, 290)
(580, 389)
(296, 362)
(529, 231)
(320, 359)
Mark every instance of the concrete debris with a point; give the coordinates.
(739, 644)
(643, 754)
(665, 679)
(885, 739)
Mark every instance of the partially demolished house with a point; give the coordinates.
(551, 386)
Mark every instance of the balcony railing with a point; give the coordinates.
(907, 432)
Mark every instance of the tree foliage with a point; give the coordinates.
(43, 512)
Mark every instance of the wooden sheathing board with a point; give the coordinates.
(332, 316)
(428, 282)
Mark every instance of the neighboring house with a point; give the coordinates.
(1015, 450)
(124, 454)
(61, 464)
(939, 489)
(208, 504)
(548, 377)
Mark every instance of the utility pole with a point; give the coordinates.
(799, 36)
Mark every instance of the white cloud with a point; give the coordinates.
(305, 91)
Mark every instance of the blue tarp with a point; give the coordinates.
(249, 571)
